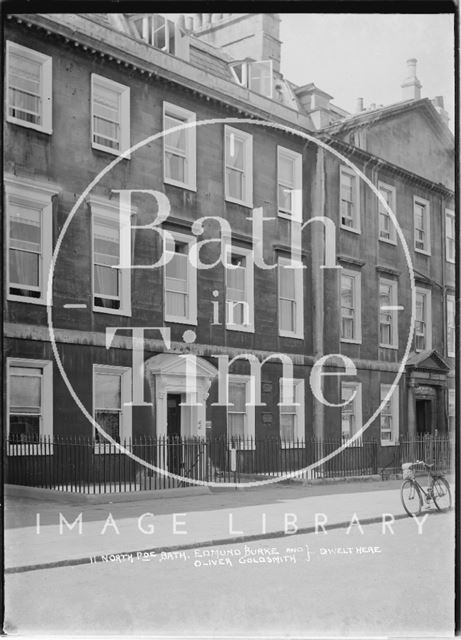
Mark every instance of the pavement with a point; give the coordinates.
(42, 534)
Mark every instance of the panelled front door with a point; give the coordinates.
(175, 462)
(423, 417)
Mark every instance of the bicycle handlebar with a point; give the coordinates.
(427, 466)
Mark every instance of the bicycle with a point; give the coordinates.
(411, 491)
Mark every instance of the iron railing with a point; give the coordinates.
(82, 465)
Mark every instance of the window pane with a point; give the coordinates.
(106, 116)
(287, 427)
(106, 240)
(347, 183)
(287, 315)
(176, 139)
(106, 254)
(236, 425)
(387, 195)
(106, 281)
(24, 88)
(235, 183)
(24, 268)
(286, 169)
(235, 151)
(261, 77)
(286, 197)
(159, 32)
(25, 227)
(420, 304)
(237, 396)
(287, 282)
(175, 167)
(419, 216)
(176, 304)
(110, 422)
(108, 390)
(24, 428)
(347, 308)
(288, 392)
(236, 283)
(25, 389)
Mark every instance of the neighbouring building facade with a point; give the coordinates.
(81, 90)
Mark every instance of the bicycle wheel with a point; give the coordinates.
(441, 494)
(411, 498)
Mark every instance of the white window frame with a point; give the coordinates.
(124, 106)
(297, 212)
(191, 318)
(147, 28)
(252, 66)
(244, 65)
(394, 414)
(46, 81)
(35, 195)
(46, 425)
(357, 293)
(125, 404)
(450, 241)
(249, 424)
(299, 404)
(248, 68)
(355, 228)
(107, 209)
(427, 320)
(426, 250)
(394, 344)
(381, 211)
(247, 138)
(298, 273)
(190, 156)
(249, 289)
(357, 409)
(451, 302)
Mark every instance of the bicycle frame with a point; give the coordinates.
(433, 475)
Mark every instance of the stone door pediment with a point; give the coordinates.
(427, 360)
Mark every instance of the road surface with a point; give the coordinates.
(367, 584)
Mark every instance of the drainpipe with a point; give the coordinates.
(317, 252)
(443, 395)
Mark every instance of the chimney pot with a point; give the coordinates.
(411, 65)
(411, 86)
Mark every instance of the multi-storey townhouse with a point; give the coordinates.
(406, 150)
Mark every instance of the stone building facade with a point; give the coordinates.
(82, 89)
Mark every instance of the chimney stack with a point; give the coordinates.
(440, 107)
(411, 86)
(244, 35)
(359, 106)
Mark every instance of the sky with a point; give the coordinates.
(364, 55)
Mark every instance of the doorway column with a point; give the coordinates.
(411, 410)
